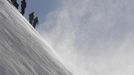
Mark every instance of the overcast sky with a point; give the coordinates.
(93, 37)
(40, 7)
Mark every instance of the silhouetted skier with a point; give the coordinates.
(35, 22)
(14, 2)
(31, 17)
(23, 6)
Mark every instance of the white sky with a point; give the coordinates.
(93, 37)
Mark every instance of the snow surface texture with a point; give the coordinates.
(22, 50)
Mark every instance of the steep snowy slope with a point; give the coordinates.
(22, 50)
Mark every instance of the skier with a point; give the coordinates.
(35, 22)
(23, 6)
(14, 2)
(31, 18)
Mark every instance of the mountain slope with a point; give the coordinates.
(22, 50)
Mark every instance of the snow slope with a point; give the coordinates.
(22, 49)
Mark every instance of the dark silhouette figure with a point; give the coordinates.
(35, 22)
(31, 17)
(14, 2)
(23, 6)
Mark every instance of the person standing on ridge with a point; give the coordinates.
(14, 2)
(35, 22)
(23, 6)
(31, 18)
